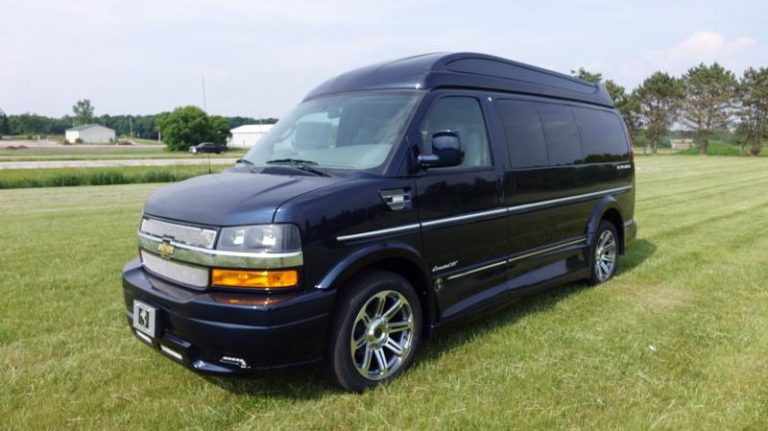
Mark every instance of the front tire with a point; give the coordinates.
(604, 256)
(375, 331)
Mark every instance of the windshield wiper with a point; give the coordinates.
(303, 165)
(291, 162)
(245, 161)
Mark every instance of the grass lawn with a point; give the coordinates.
(61, 177)
(676, 341)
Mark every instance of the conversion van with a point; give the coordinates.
(395, 199)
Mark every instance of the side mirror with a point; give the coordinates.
(446, 150)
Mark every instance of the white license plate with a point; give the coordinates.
(144, 318)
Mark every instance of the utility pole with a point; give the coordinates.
(205, 107)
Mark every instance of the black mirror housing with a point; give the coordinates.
(446, 150)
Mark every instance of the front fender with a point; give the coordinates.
(392, 252)
(370, 254)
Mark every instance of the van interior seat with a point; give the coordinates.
(312, 135)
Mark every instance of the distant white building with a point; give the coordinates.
(248, 135)
(90, 134)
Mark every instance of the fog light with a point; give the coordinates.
(235, 361)
(255, 279)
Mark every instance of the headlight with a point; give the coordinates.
(267, 238)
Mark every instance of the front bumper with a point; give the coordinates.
(225, 333)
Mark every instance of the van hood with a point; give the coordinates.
(231, 198)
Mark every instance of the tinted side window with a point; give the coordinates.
(561, 133)
(602, 135)
(464, 116)
(524, 132)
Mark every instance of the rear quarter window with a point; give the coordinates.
(602, 135)
(561, 134)
(524, 133)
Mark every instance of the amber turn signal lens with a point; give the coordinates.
(255, 279)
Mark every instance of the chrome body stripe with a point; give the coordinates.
(516, 258)
(479, 215)
(546, 250)
(465, 217)
(472, 271)
(523, 207)
(219, 258)
(629, 222)
(373, 233)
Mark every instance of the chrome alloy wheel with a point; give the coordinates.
(605, 255)
(382, 335)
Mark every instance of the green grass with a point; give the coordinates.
(715, 149)
(64, 177)
(106, 153)
(676, 341)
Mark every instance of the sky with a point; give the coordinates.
(259, 58)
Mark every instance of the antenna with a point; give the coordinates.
(205, 107)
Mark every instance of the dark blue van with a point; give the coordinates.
(393, 200)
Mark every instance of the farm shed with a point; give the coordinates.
(90, 133)
(248, 135)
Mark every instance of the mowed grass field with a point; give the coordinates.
(65, 177)
(676, 341)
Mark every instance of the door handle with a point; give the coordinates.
(397, 199)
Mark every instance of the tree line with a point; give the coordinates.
(706, 100)
(139, 126)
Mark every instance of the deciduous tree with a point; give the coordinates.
(83, 111)
(190, 125)
(659, 97)
(708, 104)
(753, 109)
(5, 128)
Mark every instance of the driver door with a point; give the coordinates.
(464, 228)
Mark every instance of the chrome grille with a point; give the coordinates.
(193, 276)
(191, 235)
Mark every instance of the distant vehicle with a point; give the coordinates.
(207, 147)
(393, 201)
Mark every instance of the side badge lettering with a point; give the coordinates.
(448, 265)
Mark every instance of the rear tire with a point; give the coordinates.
(375, 331)
(604, 253)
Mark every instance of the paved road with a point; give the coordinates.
(45, 144)
(112, 163)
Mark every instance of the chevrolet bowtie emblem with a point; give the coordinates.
(166, 249)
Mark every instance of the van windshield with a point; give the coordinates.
(350, 131)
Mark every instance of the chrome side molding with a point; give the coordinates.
(509, 260)
(480, 215)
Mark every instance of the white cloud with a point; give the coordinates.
(703, 47)
(261, 57)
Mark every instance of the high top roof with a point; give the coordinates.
(464, 70)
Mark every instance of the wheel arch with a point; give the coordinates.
(396, 257)
(606, 209)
